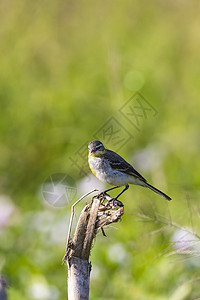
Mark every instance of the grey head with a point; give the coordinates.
(95, 146)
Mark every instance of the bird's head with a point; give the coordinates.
(96, 148)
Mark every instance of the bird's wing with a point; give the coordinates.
(118, 163)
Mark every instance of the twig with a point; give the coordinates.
(71, 220)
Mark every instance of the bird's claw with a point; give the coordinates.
(116, 202)
(103, 195)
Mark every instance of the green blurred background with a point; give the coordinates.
(66, 69)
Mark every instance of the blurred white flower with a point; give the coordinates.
(7, 208)
(186, 242)
(47, 223)
(40, 290)
(117, 253)
(148, 158)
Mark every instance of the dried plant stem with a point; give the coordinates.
(71, 219)
(93, 217)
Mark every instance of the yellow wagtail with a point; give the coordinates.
(111, 168)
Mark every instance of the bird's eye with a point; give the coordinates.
(98, 146)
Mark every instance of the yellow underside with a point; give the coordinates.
(93, 172)
(96, 155)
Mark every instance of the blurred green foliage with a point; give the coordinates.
(63, 74)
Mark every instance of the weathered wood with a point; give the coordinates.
(111, 216)
(79, 234)
(90, 232)
(78, 279)
(93, 216)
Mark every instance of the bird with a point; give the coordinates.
(109, 167)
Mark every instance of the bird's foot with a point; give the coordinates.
(103, 196)
(116, 202)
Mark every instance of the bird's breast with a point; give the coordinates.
(102, 170)
(97, 167)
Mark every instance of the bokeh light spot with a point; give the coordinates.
(134, 80)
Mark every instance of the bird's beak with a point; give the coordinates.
(92, 151)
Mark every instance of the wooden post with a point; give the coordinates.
(93, 217)
(78, 279)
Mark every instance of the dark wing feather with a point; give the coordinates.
(118, 163)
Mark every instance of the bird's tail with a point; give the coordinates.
(157, 191)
